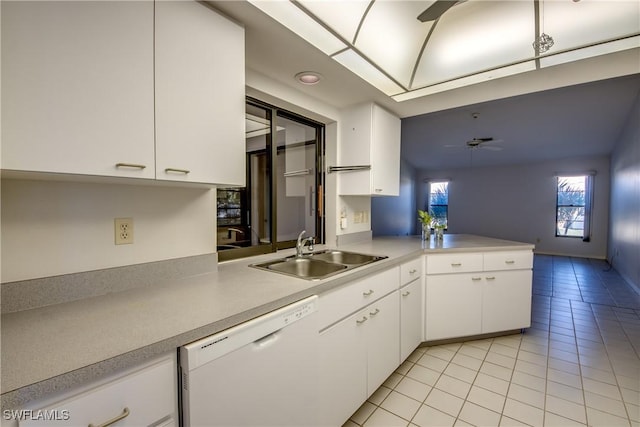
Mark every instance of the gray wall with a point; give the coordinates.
(624, 240)
(396, 216)
(517, 202)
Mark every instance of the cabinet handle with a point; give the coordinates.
(369, 292)
(456, 264)
(361, 321)
(173, 170)
(373, 313)
(406, 294)
(475, 279)
(125, 413)
(378, 190)
(130, 165)
(491, 278)
(414, 271)
(509, 261)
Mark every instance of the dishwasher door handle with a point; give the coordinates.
(267, 340)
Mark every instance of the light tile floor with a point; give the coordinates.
(577, 365)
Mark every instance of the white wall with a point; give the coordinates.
(518, 203)
(624, 235)
(397, 216)
(51, 228)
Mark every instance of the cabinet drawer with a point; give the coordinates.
(149, 396)
(508, 260)
(454, 263)
(339, 303)
(410, 271)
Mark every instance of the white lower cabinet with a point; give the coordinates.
(410, 318)
(453, 307)
(492, 295)
(343, 371)
(383, 340)
(506, 300)
(359, 352)
(141, 397)
(356, 356)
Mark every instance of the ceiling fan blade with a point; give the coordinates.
(436, 10)
(491, 147)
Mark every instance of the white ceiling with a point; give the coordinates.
(386, 43)
(568, 121)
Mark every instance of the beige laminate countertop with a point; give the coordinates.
(61, 346)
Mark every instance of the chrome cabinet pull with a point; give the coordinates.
(361, 321)
(373, 313)
(130, 165)
(509, 261)
(367, 293)
(414, 271)
(378, 190)
(173, 170)
(125, 413)
(406, 294)
(456, 264)
(475, 279)
(491, 277)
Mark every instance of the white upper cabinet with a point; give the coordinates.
(200, 95)
(369, 135)
(100, 88)
(77, 87)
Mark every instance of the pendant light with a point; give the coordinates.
(544, 41)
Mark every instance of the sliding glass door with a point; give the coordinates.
(283, 195)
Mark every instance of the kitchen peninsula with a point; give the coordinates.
(59, 347)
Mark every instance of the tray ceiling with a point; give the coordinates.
(385, 43)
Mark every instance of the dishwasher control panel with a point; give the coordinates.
(299, 312)
(255, 330)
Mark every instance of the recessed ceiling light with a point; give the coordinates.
(308, 77)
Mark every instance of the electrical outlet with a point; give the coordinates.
(123, 228)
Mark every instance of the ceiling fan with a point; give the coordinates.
(437, 9)
(478, 143)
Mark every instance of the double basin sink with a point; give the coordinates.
(318, 265)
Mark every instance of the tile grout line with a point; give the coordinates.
(606, 349)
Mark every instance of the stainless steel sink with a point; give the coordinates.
(341, 257)
(306, 268)
(318, 265)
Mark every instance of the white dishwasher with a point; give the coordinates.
(260, 373)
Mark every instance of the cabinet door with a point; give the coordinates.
(77, 87)
(383, 340)
(355, 150)
(343, 369)
(506, 300)
(453, 305)
(149, 396)
(200, 98)
(385, 154)
(370, 136)
(410, 318)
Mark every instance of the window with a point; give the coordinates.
(439, 202)
(283, 195)
(573, 206)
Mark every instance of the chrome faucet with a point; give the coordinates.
(301, 243)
